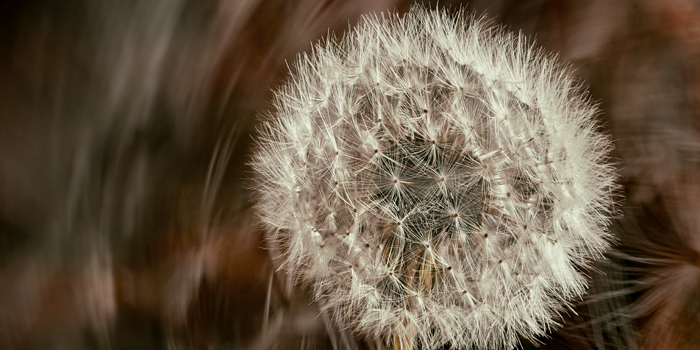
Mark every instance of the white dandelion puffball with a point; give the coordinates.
(435, 182)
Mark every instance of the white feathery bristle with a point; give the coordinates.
(436, 181)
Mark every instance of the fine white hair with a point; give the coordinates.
(435, 181)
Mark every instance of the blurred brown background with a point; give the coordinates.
(124, 132)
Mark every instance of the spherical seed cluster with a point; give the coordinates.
(436, 181)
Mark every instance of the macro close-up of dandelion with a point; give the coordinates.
(350, 175)
(435, 181)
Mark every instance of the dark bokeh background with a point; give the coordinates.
(125, 127)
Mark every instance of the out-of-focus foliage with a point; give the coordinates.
(125, 127)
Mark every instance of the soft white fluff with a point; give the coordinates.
(436, 181)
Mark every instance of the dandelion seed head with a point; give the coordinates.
(435, 181)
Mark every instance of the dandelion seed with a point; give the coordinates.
(490, 193)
